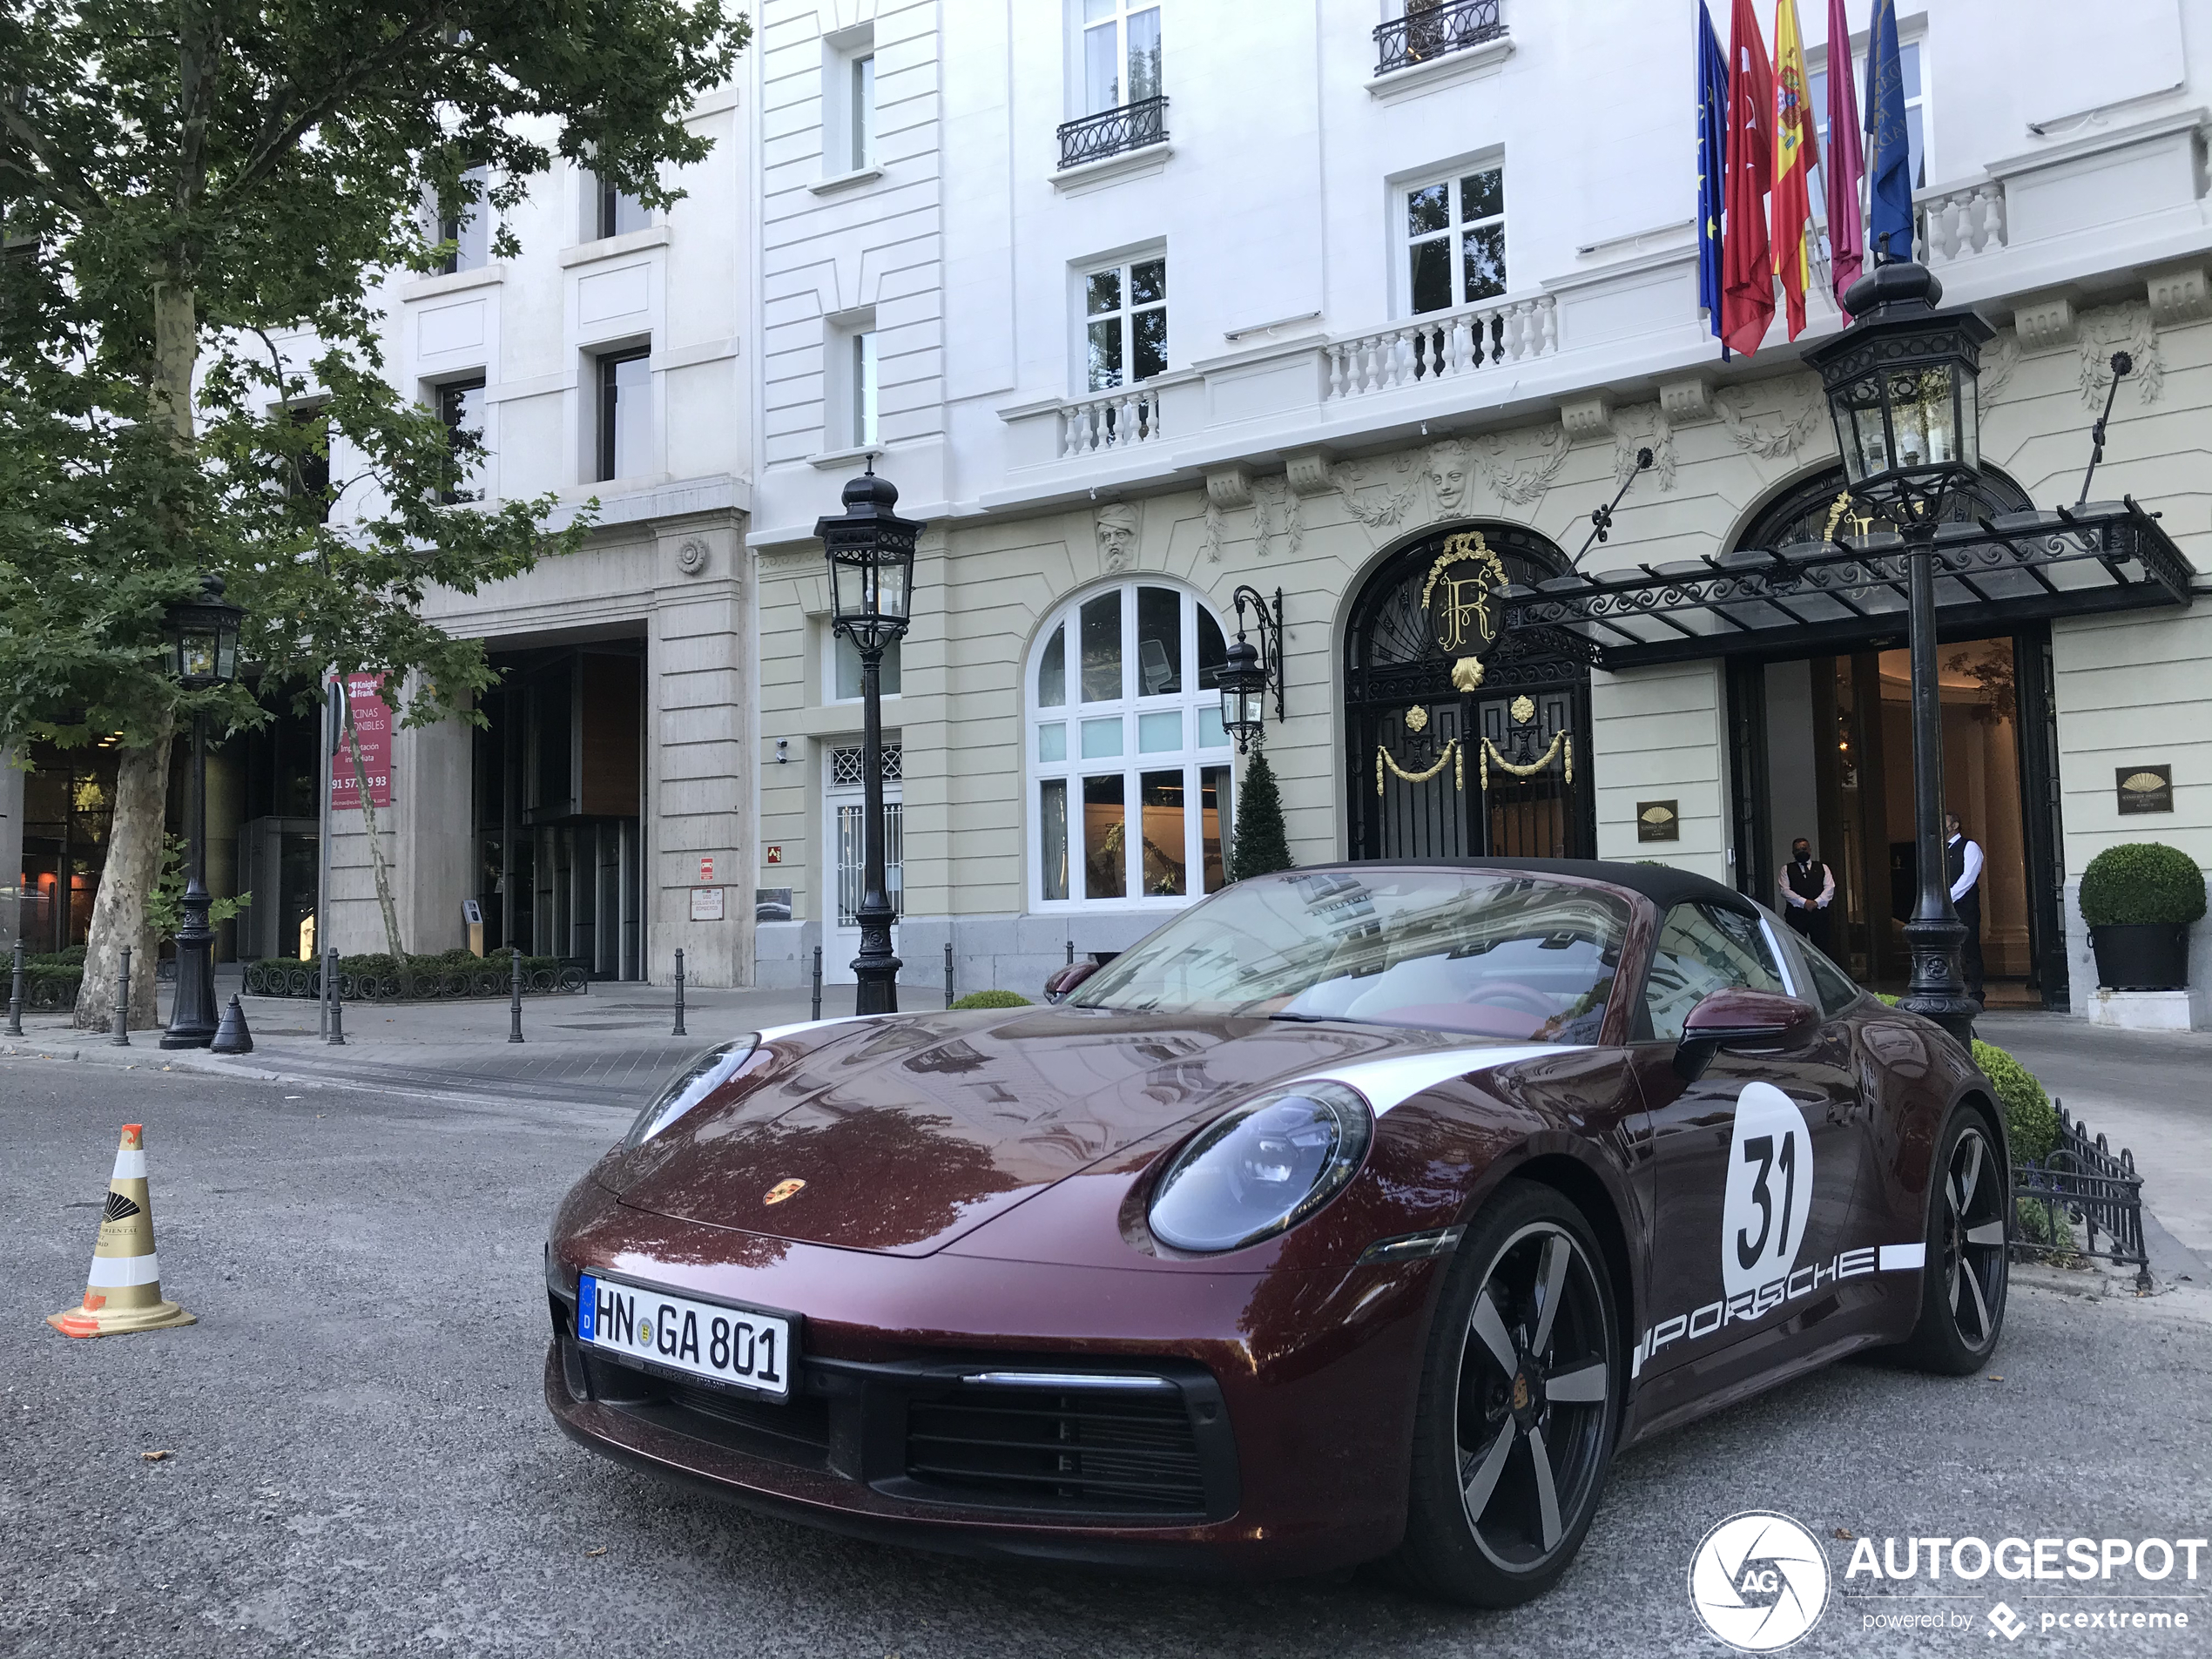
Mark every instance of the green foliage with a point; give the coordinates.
(164, 905)
(992, 999)
(2031, 1123)
(1260, 844)
(2142, 882)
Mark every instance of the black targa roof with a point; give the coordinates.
(1662, 884)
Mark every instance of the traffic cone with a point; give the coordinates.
(231, 1035)
(123, 1291)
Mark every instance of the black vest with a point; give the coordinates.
(1805, 880)
(1954, 861)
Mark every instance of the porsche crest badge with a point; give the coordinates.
(782, 1191)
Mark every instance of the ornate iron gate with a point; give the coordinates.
(1465, 741)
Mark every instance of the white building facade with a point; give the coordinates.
(605, 812)
(1140, 302)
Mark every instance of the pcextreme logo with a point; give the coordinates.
(1759, 1581)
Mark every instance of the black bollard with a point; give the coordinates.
(679, 994)
(122, 1037)
(15, 996)
(948, 973)
(817, 1014)
(335, 997)
(1071, 952)
(514, 997)
(231, 1035)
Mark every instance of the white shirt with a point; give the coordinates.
(1827, 888)
(1968, 875)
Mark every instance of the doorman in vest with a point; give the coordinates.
(1808, 888)
(1962, 863)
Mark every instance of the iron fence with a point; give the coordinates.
(304, 980)
(1093, 138)
(1429, 30)
(2080, 1185)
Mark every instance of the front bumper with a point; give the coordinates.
(1262, 1428)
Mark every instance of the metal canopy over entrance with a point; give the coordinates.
(1994, 574)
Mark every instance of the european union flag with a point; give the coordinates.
(1889, 219)
(1712, 161)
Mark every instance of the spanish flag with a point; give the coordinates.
(1797, 152)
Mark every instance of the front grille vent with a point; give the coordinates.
(1110, 1452)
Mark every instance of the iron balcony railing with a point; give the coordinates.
(1428, 30)
(1111, 131)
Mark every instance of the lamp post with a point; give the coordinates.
(871, 553)
(1900, 383)
(1250, 672)
(202, 636)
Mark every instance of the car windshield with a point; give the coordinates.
(1491, 953)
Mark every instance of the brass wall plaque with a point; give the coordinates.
(2144, 789)
(1657, 821)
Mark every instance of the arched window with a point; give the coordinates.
(1129, 767)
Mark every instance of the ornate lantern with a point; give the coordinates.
(202, 638)
(870, 552)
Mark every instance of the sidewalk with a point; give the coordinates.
(611, 1047)
(2150, 1093)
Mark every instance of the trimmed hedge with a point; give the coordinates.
(2141, 883)
(453, 974)
(2029, 1118)
(992, 999)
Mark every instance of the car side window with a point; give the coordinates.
(1703, 948)
(1836, 989)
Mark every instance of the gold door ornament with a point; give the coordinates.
(1464, 607)
(1451, 757)
(1560, 744)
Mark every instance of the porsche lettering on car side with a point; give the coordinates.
(1357, 1211)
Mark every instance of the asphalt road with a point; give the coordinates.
(362, 1463)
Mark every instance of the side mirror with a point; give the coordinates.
(1733, 1015)
(1064, 980)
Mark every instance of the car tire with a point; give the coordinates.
(1518, 1407)
(1967, 1270)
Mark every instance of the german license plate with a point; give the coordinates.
(739, 1347)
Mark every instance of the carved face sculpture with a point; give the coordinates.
(1116, 533)
(1448, 474)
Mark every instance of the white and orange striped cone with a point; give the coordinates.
(123, 1291)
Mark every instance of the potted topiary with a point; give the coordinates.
(2137, 900)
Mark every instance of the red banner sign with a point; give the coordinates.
(372, 726)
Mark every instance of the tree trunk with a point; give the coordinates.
(376, 854)
(133, 865)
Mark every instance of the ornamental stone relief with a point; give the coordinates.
(1115, 527)
(2125, 328)
(1643, 426)
(1795, 407)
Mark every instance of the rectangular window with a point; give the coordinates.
(1166, 870)
(1455, 241)
(616, 212)
(1125, 323)
(860, 95)
(1121, 53)
(1052, 831)
(1915, 122)
(863, 390)
(846, 662)
(1214, 828)
(1105, 833)
(625, 410)
(460, 407)
(1102, 646)
(311, 462)
(464, 220)
(852, 861)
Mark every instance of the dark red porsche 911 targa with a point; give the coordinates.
(1357, 1211)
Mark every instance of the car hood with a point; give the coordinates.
(908, 1131)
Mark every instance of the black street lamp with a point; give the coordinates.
(1250, 672)
(1901, 382)
(870, 552)
(202, 653)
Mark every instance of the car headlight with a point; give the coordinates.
(1262, 1167)
(705, 1075)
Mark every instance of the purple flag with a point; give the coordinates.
(1845, 161)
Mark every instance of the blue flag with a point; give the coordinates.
(1712, 162)
(1889, 148)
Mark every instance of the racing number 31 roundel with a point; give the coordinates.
(1770, 1186)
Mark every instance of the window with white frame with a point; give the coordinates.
(860, 124)
(1455, 239)
(1129, 773)
(1125, 322)
(610, 211)
(624, 426)
(460, 404)
(842, 796)
(863, 371)
(849, 100)
(464, 220)
(1916, 120)
(844, 675)
(1121, 46)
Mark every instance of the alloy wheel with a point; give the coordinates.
(1535, 1389)
(1974, 1238)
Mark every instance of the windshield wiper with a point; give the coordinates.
(1306, 1019)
